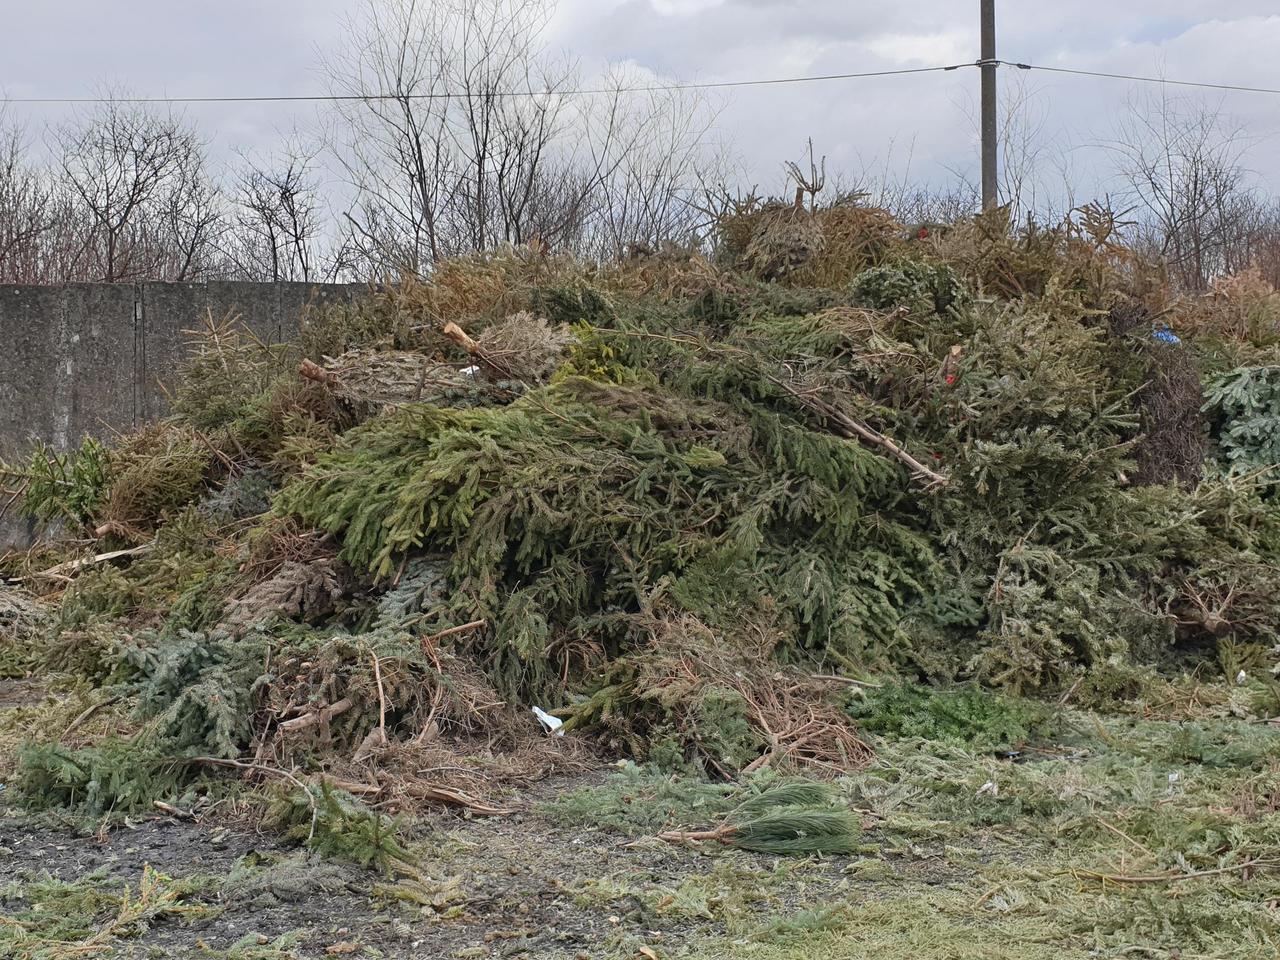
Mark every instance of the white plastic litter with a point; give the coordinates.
(469, 371)
(989, 788)
(551, 724)
(1241, 677)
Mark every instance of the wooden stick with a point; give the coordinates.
(834, 678)
(1172, 877)
(473, 625)
(445, 795)
(175, 812)
(456, 798)
(720, 834)
(110, 527)
(70, 566)
(382, 699)
(1124, 836)
(353, 787)
(763, 760)
(853, 429)
(987, 896)
(462, 339)
(323, 715)
(1071, 693)
(310, 370)
(86, 714)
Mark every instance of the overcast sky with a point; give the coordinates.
(919, 126)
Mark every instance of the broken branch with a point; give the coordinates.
(70, 566)
(853, 429)
(323, 715)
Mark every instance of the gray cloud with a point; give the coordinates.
(921, 125)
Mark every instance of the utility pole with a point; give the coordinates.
(990, 172)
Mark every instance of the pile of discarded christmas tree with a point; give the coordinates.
(680, 503)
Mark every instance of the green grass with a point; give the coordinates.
(970, 715)
(1105, 836)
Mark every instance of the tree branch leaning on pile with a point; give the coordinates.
(841, 423)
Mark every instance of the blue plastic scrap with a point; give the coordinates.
(1165, 335)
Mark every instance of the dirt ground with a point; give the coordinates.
(1119, 836)
(14, 693)
(518, 885)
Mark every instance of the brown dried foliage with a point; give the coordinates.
(296, 591)
(525, 345)
(792, 711)
(820, 246)
(369, 382)
(154, 472)
(1174, 430)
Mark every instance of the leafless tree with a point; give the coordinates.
(394, 145)
(277, 224)
(509, 117)
(1024, 147)
(26, 214)
(463, 132)
(1182, 167)
(654, 154)
(906, 197)
(448, 147)
(1034, 178)
(1260, 244)
(138, 177)
(189, 219)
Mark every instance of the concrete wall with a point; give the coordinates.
(90, 358)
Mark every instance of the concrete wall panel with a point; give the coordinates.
(91, 358)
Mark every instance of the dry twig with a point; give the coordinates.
(1173, 877)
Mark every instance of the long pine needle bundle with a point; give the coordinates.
(792, 818)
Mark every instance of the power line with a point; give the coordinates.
(586, 91)
(1141, 79)
(645, 88)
